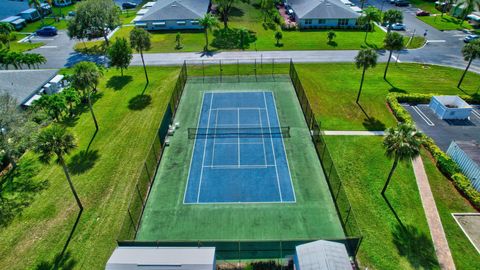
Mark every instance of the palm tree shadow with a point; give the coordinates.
(393, 211)
(394, 88)
(91, 140)
(83, 161)
(416, 246)
(145, 88)
(64, 262)
(371, 123)
(139, 102)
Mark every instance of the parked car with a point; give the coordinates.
(402, 3)
(398, 26)
(47, 31)
(422, 13)
(471, 38)
(71, 13)
(129, 5)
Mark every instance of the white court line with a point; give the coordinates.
(204, 150)
(237, 143)
(263, 138)
(236, 108)
(238, 140)
(214, 137)
(284, 150)
(273, 149)
(233, 167)
(193, 150)
(423, 116)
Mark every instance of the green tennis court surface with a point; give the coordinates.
(311, 216)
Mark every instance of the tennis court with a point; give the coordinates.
(239, 154)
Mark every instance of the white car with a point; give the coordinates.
(398, 26)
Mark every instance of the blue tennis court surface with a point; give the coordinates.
(242, 156)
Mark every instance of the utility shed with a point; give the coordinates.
(467, 155)
(450, 107)
(165, 258)
(323, 255)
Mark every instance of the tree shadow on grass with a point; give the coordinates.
(370, 45)
(394, 88)
(371, 123)
(18, 190)
(236, 12)
(332, 43)
(83, 161)
(139, 102)
(414, 245)
(118, 82)
(64, 262)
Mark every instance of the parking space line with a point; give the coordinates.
(48, 47)
(423, 116)
(477, 114)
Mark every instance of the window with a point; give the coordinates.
(195, 22)
(342, 22)
(321, 21)
(181, 22)
(308, 21)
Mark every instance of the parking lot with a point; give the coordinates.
(445, 131)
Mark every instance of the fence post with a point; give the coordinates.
(221, 70)
(203, 71)
(238, 70)
(133, 222)
(146, 169)
(255, 69)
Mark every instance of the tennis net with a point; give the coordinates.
(242, 132)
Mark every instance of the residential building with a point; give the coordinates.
(30, 15)
(16, 21)
(173, 15)
(467, 155)
(323, 14)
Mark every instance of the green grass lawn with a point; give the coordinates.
(449, 201)
(25, 46)
(363, 167)
(40, 207)
(446, 23)
(333, 88)
(50, 20)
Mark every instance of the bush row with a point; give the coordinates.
(444, 163)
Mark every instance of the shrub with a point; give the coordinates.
(444, 163)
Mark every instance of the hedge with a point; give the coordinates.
(444, 163)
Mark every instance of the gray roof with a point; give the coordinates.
(322, 254)
(23, 84)
(10, 8)
(177, 10)
(168, 258)
(322, 9)
(471, 148)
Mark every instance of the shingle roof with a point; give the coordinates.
(177, 10)
(471, 148)
(322, 9)
(22, 84)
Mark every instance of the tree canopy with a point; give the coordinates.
(120, 54)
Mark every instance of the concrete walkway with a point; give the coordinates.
(440, 243)
(353, 133)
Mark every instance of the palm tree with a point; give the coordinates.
(37, 4)
(140, 41)
(392, 16)
(370, 15)
(467, 6)
(6, 30)
(392, 42)
(55, 140)
(470, 52)
(86, 76)
(401, 143)
(208, 22)
(365, 59)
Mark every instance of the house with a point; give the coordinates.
(30, 15)
(28, 85)
(178, 258)
(17, 22)
(174, 15)
(323, 14)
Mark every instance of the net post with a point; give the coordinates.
(273, 68)
(255, 69)
(220, 62)
(238, 70)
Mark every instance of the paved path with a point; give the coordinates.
(353, 133)
(440, 243)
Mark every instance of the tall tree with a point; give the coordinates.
(267, 7)
(94, 17)
(391, 17)
(401, 143)
(55, 140)
(37, 4)
(6, 30)
(224, 8)
(470, 51)
(467, 6)
(120, 54)
(208, 22)
(278, 37)
(392, 42)
(330, 36)
(366, 58)
(86, 76)
(370, 15)
(140, 41)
